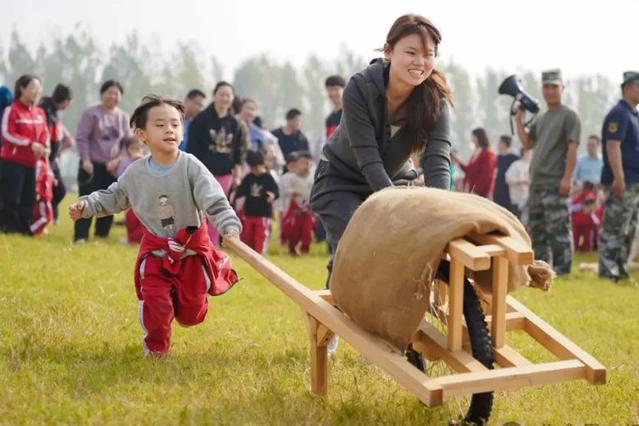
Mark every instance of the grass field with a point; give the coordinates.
(70, 350)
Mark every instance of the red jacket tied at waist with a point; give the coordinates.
(216, 262)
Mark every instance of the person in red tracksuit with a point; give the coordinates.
(25, 139)
(260, 190)
(43, 208)
(480, 170)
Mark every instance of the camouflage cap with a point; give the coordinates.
(630, 76)
(551, 77)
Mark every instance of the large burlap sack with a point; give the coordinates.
(391, 249)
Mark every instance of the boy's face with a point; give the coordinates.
(335, 95)
(248, 112)
(295, 123)
(303, 166)
(163, 131)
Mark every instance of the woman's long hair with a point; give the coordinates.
(423, 105)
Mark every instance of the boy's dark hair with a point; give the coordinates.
(304, 154)
(109, 84)
(506, 140)
(292, 113)
(62, 93)
(335, 80)
(258, 121)
(140, 115)
(254, 158)
(595, 137)
(587, 186)
(22, 82)
(246, 101)
(194, 93)
(130, 141)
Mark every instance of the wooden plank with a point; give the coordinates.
(432, 344)
(499, 291)
(514, 321)
(379, 352)
(510, 378)
(516, 251)
(509, 357)
(326, 295)
(468, 254)
(562, 347)
(455, 305)
(319, 357)
(492, 250)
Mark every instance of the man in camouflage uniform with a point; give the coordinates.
(620, 178)
(554, 135)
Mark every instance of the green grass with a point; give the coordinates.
(70, 350)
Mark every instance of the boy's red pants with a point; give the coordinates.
(42, 216)
(255, 231)
(163, 297)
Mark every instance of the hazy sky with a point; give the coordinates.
(579, 37)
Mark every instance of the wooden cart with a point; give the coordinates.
(469, 376)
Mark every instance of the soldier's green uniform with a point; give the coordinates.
(549, 213)
(620, 214)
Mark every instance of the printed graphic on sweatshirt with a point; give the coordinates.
(256, 190)
(221, 141)
(166, 214)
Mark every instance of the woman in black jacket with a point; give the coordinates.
(394, 108)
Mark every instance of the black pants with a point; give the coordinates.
(101, 179)
(17, 190)
(334, 200)
(59, 191)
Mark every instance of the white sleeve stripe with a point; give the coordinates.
(5, 130)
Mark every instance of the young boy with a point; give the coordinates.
(177, 264)
(298, 219)
(260, 190)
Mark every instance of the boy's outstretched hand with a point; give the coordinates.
(76, 209)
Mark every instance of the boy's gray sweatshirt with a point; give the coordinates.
(166, 201)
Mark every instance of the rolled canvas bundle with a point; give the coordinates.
(391, 249)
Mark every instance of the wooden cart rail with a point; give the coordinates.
(477, 253)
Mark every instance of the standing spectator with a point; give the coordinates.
(260, 191)
(518, 180)
(479, 172)
(334, 88)
(289, 136)
(590, 164)
(620, 179)
(59, 101)
(248, 112)
(505, 158)
(585, 223)
(215, 139)
(193, 105)
(299, 217)
(554, 135)
(101, 129)
(25, 139)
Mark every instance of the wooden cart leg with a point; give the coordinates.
(455, 305)
(500, 288)
(319, 336)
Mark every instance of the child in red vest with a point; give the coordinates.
(585, 222)
(172, 193)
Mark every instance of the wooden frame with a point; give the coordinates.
(476, 253)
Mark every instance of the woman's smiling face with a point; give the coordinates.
(412, 59)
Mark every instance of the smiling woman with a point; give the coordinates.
(396, 107)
